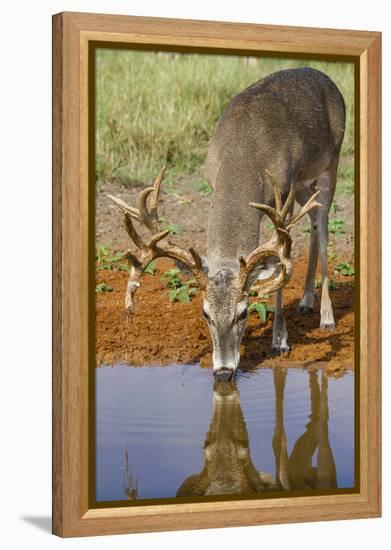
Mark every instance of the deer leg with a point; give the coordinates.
(305, 191)
(307, 302)
(280, 333)
(279, 442)
(326, 184)
(326, 471)
(326, 309)
(302, 474)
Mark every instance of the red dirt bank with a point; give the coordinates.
(161, 332)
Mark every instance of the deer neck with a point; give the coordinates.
(233, 228)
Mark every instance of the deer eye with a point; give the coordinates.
(243, 314)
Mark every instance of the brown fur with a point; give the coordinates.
(291, 126)
(290, 123)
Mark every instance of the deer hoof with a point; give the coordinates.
(280, 350)
(327, 326)
(304, 310)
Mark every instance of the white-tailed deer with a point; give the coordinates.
(276, 142)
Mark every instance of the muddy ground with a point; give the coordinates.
(187, 208)
(161, 332)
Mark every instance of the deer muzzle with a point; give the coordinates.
(225, 361)
(224, 374)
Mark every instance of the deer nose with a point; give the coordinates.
(223, 374)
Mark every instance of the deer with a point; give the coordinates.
(277, 143)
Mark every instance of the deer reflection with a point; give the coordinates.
(295, 471)
(228, 466)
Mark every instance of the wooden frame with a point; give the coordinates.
(72, 34)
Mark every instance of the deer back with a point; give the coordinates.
(291, 124)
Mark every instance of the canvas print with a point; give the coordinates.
(224, 277)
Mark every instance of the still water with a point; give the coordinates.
(170, 431)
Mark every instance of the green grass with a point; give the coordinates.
(160, 108)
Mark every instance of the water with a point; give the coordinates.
(167, 431)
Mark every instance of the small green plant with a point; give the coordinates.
(306, 230)
(151, 268)
(171, 277)
(107, 260)
(262, 308)
(344, 269)
(204, 188)
(103, 287)
(336, 227)
(103, 252)
(174, 228)
(179, 290)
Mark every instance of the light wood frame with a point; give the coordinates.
(72, 33)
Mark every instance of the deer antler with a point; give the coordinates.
(279, 246)
(148, 250)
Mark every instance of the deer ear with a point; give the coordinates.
(264, 270)
(187, 271)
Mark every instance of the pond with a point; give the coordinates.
(163, 432)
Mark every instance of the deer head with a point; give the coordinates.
(225, 293)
